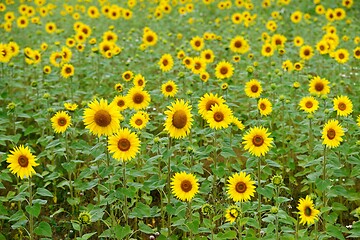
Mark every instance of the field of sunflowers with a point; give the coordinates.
(180, 119)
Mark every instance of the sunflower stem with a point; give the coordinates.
(324, 176)
(31, 220)
(125, 199)
(276, 216)
(189, 217)
(168, 186)
(239, 221)
(259, 196)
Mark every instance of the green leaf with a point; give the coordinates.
(145, 228)
(44, 192)
(338, 207)
(43, 229)
(20, 223)
(85, 236)
(122, 232)
(227, 235)
(334, 232)
(140, 211)
(194, 226)
(33, 210)
(227, 152)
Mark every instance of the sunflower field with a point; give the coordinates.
(180, 119)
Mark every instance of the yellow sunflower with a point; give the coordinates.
(21, 162)
(343, 106)
(61, 121)
(169, 89)
(237, 123)
(204, 76)
(219, 116)
(150, 38)
(102, 118)
(120, 102)
(70, 106)
(356, 52)
(267, 50)
(137, 98)
(178, 119)
(207, 55)
(67, 70)
(257, 141)
(166, 62)
(239, 45)
(184, 186)
(232, 213)
(358, 120)
(264, 106)
(240, 187)
(309, 104)
(138, 120)
(308, 214)
(341, 55)
(306, 52)
(224, 69)
(332, 134)
(319, 86)
(253, 88)
(188, 62)
(207, 101)
(124, 145)
(197, 43)
(199, 65)
(127, 75)
(139, 81)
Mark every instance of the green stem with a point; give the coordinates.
(259, 196)
(276, 217)
(125, 199)
(324, 176)
(31, 220)
(189, 217)
(239, 221)
(168, 186)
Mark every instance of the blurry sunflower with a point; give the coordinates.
(184, 186)
(139, 81)
(309, 104)
(240, 187)
(150, 38)
(204, 76)
(332, 134)
(127, 76)
(267, 50)
(298, 41)
(67, 70)
(298, 66)
(137, 98)
(124, 145)
(169, 89)
(60, 121)
(22, 22)
(357, 52)
(198, 66)
(253, 88)
(319, 86)
(236, 18)
(50, 27)
(219, 116)
(207, 55)
(306, 52)
(287, 66)
(264, 106)
(278, 40)
(119, 87)
(197, 43)
(66, 54)
(341, 55)
(224, 70)
(296, 17)
(21, 162)
(180, 54)
(239, 45)
(257, 141)
(138, 120)
(237, 123)
(178, 119)
(102, 118)
(232, 213)
(207, 101)
(188, 62)
(70, 106)
(47, 69)
(166, 62)
(343, 106)
(308, 214)
(121, 102)
(322, 47)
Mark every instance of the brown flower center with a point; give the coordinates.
(150, 38)
(179, 119)
(240, 187)
(268, 49)
(121, 103)
(306, 52)
(138, 122)
(254, 88)
(238, 44)
(262, 106)
(309, 104)
(258, 140)
(124, 144)
(342, 106)
(319, 86)
(208, 56)
(68, 70)
(278, 42)
(224, 70)
(168, 88)
(165, 62)
(102, 118)
(138, 98)
(23, 161)
(341, 56)
(209, 104)
(186, 185)
(219, 116)
(197, 43)
(331, 134)
(62, 121)
(307, 211)
(127, 76)
(197, 65)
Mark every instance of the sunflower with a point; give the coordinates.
(264, 106)
(358, 120)
(137, 98)
(118, 87)
(308, 214)
(139, 120)
(180, 54)
(239, 45)
(21, 162)
(184, 186)
(188, 62)
(61, 121)
(199, 65)
(70, 106)
(207, 55)
(102, 118)
(236, 18)
(237, 123)
(22, 22)
(50, 27)
(298, 41)
(224, 69)
(356, 52)
(298, 66)
(121, 102)
(278, 40)
(67, 70)
(207, 101)
(127, 76)
(178, 119)
(47, 69)
(296, 17)
(341, 55)
(306, 52)
(169, 89)
(150, 38)
(197, 43)
(267, 50)
(166, 62)
(322, 47)
(204, 76)
(219, 116)
(232, 213)
(319, 86)
(139, 81)
(343, 106)
(332, 134)
(253, 88)
(124, 145)
(240, 187)
(257, 141)
(309, 104)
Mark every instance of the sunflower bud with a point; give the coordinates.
(34, 84)
(207, 209)
(277, 180)
(11, 106)
(250, 69)
(85, 217)
(274, 210)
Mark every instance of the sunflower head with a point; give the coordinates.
(343, 106)
(184, 186)
(257, 141)
(178, 119)
(61, 121)
(332, 134)
(240, 187)
(308, 214)
(124, 145)
(21, 162)
(232, 213)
